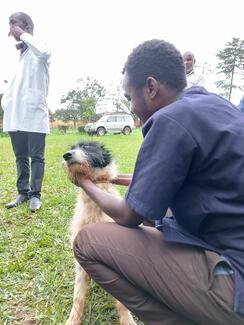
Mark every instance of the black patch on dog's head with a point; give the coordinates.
(98, 155)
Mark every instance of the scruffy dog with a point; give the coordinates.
(95, 161)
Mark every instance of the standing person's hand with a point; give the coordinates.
(16, 32)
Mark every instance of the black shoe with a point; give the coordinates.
(35, 204)
(21, 198)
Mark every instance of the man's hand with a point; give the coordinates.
(16, 32)
(81, 180)
(114, 206)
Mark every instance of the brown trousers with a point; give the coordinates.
(161, 283)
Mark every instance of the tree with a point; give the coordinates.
(121, 104)
(68, 114)
(231, 64)
(83, 100)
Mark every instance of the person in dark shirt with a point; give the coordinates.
(190, 269)
(240, 106)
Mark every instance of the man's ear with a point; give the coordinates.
(152, 86)
(28, 28)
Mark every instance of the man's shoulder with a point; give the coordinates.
(199, 96)
(190, 100)
(198, 107)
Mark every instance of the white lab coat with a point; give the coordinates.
(196, 78)
(25, 99)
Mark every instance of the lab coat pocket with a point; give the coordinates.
(34, 99)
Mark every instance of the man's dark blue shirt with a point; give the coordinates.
(192, 161)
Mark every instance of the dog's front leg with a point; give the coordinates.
(80, 291)
(125, 317)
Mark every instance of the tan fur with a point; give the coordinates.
(86, 212)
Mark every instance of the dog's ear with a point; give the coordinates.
(107, 156)
(99, 156)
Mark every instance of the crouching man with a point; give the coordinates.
(191, 161)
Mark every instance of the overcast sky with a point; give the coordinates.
(93, 37)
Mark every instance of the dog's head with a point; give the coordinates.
(89, 158)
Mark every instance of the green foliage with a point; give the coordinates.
(81, 129)
(231, 63)
(3, 134)
(83, 100)
(68, 114)
(36, 263)
(63, 128)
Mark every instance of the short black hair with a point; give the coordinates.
(158, 59)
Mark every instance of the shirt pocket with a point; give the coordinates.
(34, 99)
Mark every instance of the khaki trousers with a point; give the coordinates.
(160, 282)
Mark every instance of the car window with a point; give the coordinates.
(120, 118)
(111, 119)
(127, 118)
(116, 118)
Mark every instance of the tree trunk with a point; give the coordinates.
(232, 77)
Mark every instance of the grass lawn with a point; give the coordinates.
(36, 259)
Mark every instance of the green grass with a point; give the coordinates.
(36, 259)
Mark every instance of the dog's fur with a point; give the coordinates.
(95, 161)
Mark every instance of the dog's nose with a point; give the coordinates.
(67, 155)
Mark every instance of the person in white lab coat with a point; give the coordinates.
(26, 114)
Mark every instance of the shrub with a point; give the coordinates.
(3, 134)
(63, 128)
(81, 129)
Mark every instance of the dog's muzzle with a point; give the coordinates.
(67, 156)
(73, 156)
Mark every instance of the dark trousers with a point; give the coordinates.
(162, 283)
(26, 146)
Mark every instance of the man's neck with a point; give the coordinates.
(190, 72)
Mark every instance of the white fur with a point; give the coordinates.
(86, 212)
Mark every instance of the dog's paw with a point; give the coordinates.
(73, 321)
(127, 321)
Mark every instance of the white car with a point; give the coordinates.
(114, 123)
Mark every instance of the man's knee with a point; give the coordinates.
(81, 243)
(37, 158)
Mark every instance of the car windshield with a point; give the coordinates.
(103, 119)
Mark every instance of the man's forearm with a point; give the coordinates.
(37, 48)
(114, 206)
(122, 179)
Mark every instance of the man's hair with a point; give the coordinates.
(25, 18)
(191, 54)
(158, 59)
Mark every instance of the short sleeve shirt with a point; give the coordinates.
(192, 161)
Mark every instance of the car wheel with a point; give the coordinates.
(101, 132)
(126, 130)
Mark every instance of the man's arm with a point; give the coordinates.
(114, 206)
(122, 179)
(36, 47)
